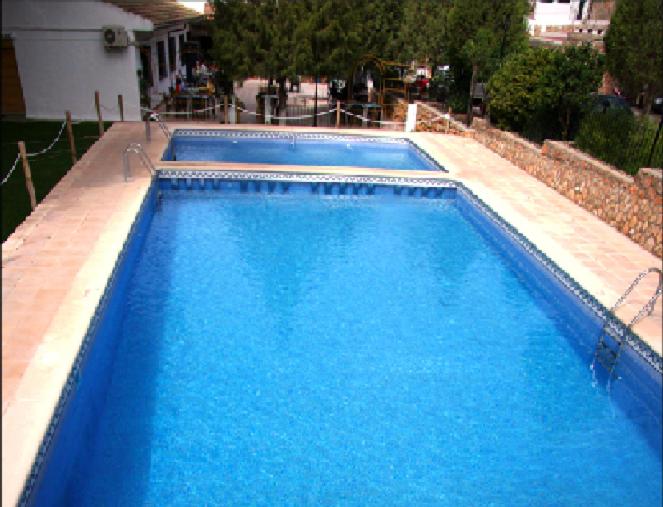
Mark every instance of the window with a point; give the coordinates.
(171, 53)
(182, 49)
(146, 64)
(161, 59)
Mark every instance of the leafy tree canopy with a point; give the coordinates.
(484, 32)
(544, 83)
(423, 31)
(634, 47)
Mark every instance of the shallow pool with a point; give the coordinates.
(296, 343)
(297, 149)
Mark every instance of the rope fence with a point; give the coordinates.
(18, 156)
(443, 117)
(364, 119)
(35, 154)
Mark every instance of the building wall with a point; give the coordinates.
(554, 15)
(161, 87)
(62, 60)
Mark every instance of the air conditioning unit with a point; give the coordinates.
(115, 36)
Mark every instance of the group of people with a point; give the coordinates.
(202, 78)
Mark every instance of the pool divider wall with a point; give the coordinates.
(81, 403)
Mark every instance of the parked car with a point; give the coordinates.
(602, 103)
(657, 105)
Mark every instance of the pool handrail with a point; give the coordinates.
(602, 347)
(138, 149)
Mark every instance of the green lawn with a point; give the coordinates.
(47, 169)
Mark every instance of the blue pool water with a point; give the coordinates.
(349, 151)
(302, 348)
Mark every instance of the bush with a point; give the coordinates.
(620, 139)
(440, 86)
(540, 91)
(458, 102)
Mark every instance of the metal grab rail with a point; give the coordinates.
(164, 128)
(162, 125)
(648, 308)
(136, 148)
(606, 355)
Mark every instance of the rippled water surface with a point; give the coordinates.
(308, 350)
(387, 155)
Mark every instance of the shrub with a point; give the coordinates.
(541, 91)
(620, 139)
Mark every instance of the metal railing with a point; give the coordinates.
(603, 353)
(138, 149)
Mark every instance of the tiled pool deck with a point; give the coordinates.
(55, 266)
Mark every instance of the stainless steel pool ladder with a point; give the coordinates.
(162, 125)
(604, 353)
(138, 149)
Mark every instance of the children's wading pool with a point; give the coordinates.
(299, 148)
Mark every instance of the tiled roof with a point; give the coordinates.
(160, 12)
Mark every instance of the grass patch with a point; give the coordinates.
(47, 169)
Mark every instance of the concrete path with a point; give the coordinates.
(55, 266)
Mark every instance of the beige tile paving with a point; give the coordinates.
(55, 266)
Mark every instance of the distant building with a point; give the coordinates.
(59, 52)
(556, 22)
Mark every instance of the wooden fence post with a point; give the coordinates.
(225, 109)
(120, 104)
(338, 114)
(70, 135)
(98, 106)
(28, 175)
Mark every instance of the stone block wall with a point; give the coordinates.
(428, 120)
(633, 205)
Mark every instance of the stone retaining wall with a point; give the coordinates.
(428, 120)
(633, 205)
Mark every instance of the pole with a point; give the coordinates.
(98, 106)
(653, 145)
(315, 102)
(338, 114)
(28, 175)
(120, 104)
(70, 135)
(225, 109)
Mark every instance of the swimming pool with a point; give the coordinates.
(346, 341)
(299, 148)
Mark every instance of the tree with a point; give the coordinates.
(565, 87)
(480, 34)
(544, 83)
(634, 48)
(478, 51)
(327, 42)
(380, 24)
(513, 89)
(423, 31)
(232, 37)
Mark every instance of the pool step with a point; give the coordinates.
(607, 355)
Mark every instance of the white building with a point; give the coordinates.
(557, 15)
(62, 56)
